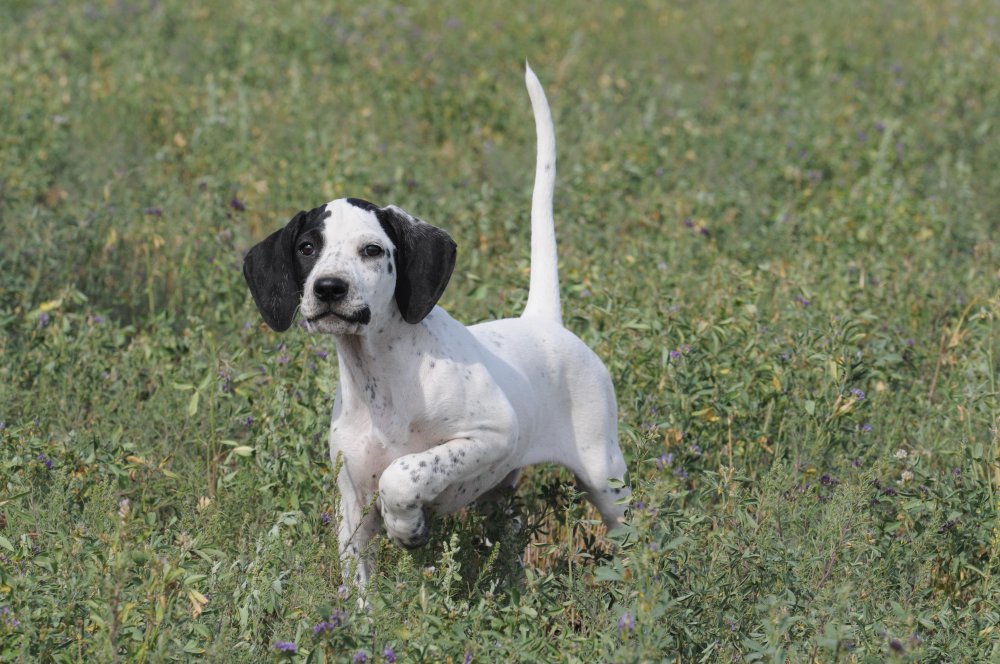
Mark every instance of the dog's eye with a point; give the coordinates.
(307, 249)
(371, 251)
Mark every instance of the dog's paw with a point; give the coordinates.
(408, 529)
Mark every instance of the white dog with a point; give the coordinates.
(430, 414)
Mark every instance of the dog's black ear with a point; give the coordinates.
(270, 271)
(425, 258)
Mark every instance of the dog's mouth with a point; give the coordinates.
(362, 316)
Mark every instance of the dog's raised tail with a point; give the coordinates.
(543, 288)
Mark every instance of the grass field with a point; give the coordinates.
(777, 226)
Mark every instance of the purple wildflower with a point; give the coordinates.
(685, 348)
(98, 319)
(895, 645)
(3, 425)
(681, 473)
(343, 592)
(696, 449)
(703, 230)
(335, 620)
(325, 518)
(248, 422)
(322, 354)
(675, 355)
(626, 623)
(688, 223)
(359, 657)
(286, 646)
(225, 381)
(802, 301)
(43, 319)
(12, 622)
(45, 460)
(390, 656)
(664, 460)
(153, 212)
(858, 394)
(866, 428)
(284, 358)
(468, 657)
(237, 204)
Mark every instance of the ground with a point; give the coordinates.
(777, 226)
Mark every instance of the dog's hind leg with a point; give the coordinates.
(597, 460)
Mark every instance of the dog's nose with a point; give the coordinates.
(330, 289)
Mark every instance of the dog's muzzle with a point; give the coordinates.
(331, 291)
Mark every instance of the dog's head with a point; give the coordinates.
(345, 263)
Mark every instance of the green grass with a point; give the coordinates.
(765, 210)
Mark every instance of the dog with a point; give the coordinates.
(429, 414)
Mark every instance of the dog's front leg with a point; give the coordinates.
(357, 524)
(467, 465)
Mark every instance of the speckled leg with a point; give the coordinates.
(415, 480)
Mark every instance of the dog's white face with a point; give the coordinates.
(344, 263)
(351, 271)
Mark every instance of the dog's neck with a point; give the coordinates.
(374, 360)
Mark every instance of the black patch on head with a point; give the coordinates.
(363, 204)
(275, 270)
(425, 258)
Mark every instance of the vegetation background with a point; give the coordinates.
(777, 225)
